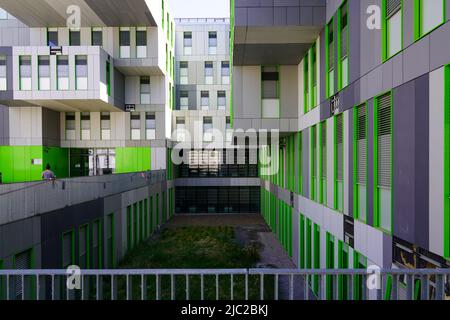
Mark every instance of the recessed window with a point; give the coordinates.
(393, 32)
(225, 72)
(135, 118)
(187, 43)
(85, 126)
(70, 126)
(212, 42)
(141, 42)
(209, 72)
(343, 34)
(207, 128)
(184, 72)
(145, 90)
(105, 125)
(184, 100)
(361, 162)
(52, 37)
(270, 92)
(150, 125)
(25, 73)
(204, 100)
(97, 36)
(431, 14)
(180, 127)
(74, 38)
(44, 72)
(81, 72)
(124, 40)
(62, 70)
(331, 57)
(3, 73)
(339, 161)
(221, 100)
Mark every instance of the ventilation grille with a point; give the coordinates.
(339, 147)
(324, 150)
(392, 6)
(384, 141)
(361, 144)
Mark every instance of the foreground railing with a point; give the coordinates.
(223, 284)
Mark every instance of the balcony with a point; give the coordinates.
(78, 79)
(268, 33)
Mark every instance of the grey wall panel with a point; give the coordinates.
(370, 40)
(370, 178)
(408, 23)
(119, 89)
(422, 160)
(440, 47)
(404, 163)
(51, 131)
(4, 126)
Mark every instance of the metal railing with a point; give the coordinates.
(224, 284)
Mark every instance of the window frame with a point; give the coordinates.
(327, 58)
(418, 9)
(335, 178)
(72, 249)
(356, 197)
(86, 225)
(339, 40)
(385, 31)
(376, 212)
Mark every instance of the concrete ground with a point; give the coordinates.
(250, 229)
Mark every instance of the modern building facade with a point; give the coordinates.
(359, 91)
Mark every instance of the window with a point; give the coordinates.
(110, 229)
(135, 126)
(25, 72)
(330, 58)
(361, 162)
(105, 125)
(85, 126)
(314, 71)
(81, 72)
(300, 163)
(392, 34)
(339, 163)
(270, 92)
(431, 15)
(343, 53)
(184, 100)
(97, 36)
(225, 72)
(150, 126)
(108, 78)
(330, 264)
(163, 13)
(168, 26)
(229, 130)
(323, 163)
(52, 37)
(141, 42)
(44, 72)
(97, 236)
(124, 40)
(221, 100)
(3, 74)
(207, 128)
(306, 83)
(212, 42)
(184, 72)
(209, 73)
(63, 72)
(382, 162)
(204, 100)
(187, 43)
(314, 163)
(74, 38)
(70, 125)
(145, 90)
(83, 247)
(68, 251)
(129, 229)
(180, 127)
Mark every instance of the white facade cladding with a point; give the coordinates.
(202, 57)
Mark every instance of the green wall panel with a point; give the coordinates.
(133, 159)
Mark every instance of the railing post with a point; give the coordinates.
(202, 289)
(291, 287)
(424, 288)
(99, 287)
(261, 293)
(409, 287)
(440, 287)
(187, 286)
(246, 285)
(113, 288)
(143, 287)
(172, 287)
(395, 287)
(158, 287)
(232, 288)
(276, 287)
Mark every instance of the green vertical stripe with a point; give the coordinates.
(447, 164)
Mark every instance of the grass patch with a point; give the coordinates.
(193, 248)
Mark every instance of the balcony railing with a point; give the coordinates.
(223, 284)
